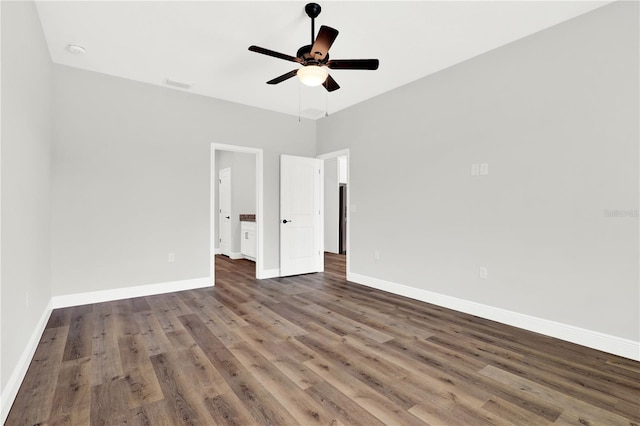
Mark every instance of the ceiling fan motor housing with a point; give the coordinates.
(304, 53)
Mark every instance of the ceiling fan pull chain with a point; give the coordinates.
(299, 103)
(326, 104)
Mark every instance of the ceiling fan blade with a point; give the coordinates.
(324, 40)
(283, 77)
(330, 84)
(353, 64)
(274, 54)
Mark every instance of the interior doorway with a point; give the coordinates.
(336, 204)
(342, 220)
(219, 151)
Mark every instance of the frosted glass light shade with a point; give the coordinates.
(312, 75)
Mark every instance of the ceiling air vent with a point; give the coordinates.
(178, 84)
(312, 113)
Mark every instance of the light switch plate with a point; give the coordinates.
(475, 169)
(484, 169)
(484, 273)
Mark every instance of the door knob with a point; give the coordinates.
(286, 221)
(226, 217)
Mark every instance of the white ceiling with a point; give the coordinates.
(206, 42)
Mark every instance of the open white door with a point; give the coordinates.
(225, 211)
(300, 215)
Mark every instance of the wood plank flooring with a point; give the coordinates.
(307, 350)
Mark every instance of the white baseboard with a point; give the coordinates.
(216, 251)
(593, 339)
(268, 273)
(231, 255)
(10, 391)
(128, 292)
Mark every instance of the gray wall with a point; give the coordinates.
(26, 129)
(243, 190)
(556, 117)
(131, 178)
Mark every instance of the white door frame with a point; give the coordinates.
(335, 154)
(226, 248)
(213, 213)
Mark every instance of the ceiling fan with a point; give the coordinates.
(314, 57)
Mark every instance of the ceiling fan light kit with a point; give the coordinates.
(314, 57)
(312, 75)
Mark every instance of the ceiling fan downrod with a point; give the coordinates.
(313, 10)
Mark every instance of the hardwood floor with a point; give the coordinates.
(312, 349)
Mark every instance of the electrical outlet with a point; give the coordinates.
(484, 273)
(172, 257)
(376, 255)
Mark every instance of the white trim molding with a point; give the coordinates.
(78, 299)
(10, 391)
(593, 339)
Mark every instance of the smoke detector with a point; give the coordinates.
(76, 49)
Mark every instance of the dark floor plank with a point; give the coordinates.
(310, 349)
(286, 355)
(106, 364)
(109, 404)
(303, 408)
(59, 318)
(341, 407)
(149, 414)
(71, 400)
(573, 410)
(153, 335)
(80, 334)
(227, 409)
(35, 398)
(263, 407)
(179, 406)
(378, 405)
